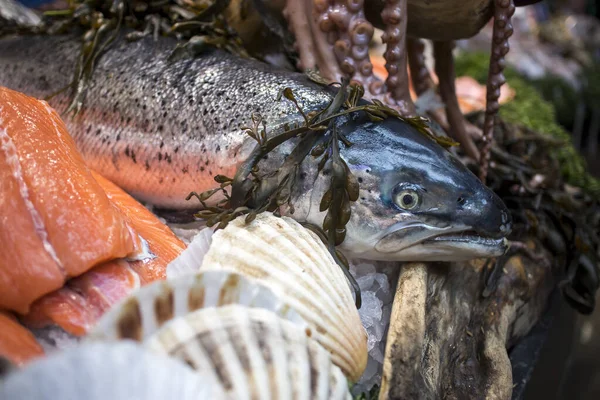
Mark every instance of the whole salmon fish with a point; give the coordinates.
(161, 129)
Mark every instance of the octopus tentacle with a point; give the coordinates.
(444, 68)
(313, 42)
(419, 73)
(352, 46)
(422, 82)
(394, 16)
(421, 78)
(503, 11)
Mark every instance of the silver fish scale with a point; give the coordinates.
(171, 125)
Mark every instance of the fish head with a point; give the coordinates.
(417, 201)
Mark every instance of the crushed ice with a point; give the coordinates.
(377, 282)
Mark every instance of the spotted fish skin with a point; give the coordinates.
(158, 129)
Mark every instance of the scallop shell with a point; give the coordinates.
(189, 260)
(253, 353)
(100, 371)
(142, 313)
(292, 261)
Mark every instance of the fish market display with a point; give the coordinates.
(281, 254)
(46, 240)
(162, 129)
(300, 283)
(236, 353)
(260, 305)
(100, 371)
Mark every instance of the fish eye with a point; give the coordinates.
(407, 199)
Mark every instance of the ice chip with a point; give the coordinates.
(370, 311)
(371, 376)
(365, 282)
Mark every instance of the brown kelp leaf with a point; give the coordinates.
(319, 149)
(326, 200)
(374, 110)
(327, 222)
(340, 235)
(344, 140)
(222, 179)
(356, 92)
(288, 94)
(352, 185)
(345, 213)
(374, 118)
(250, 217)
(323, 162)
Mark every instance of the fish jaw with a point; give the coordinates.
(462, 245)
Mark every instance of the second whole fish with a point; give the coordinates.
(161, 129)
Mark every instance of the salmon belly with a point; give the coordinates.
(17, 344)
(56, 221)
(83, 300)
(163, 243)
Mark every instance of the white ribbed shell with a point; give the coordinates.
(293, 262)
(253, 353)
(144, 311)
(233, 331)
(102, 371)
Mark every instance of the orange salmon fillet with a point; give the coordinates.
(17, 343)
(56, 221)
(77, 306)
(162, 241)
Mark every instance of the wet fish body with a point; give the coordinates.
(171, 126)
(162, 129)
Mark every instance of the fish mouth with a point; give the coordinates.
(449, 244)
(467, 243)
(467, 236)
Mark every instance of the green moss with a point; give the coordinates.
(530, 109)
(372, 394)
(562, 96)
(473, 65)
